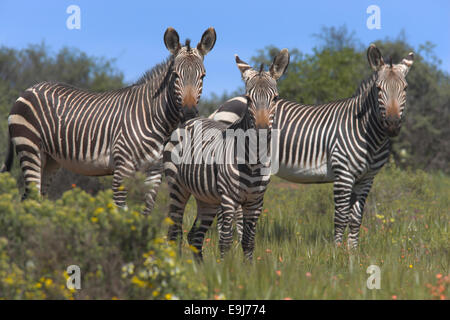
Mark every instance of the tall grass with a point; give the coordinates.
(405, 232)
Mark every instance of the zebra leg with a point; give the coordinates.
(342, 195)
(239, 221)
(356, 211)
(179, 197)
(119, 191)
(250, 217)
(205, 216)
(225, 224)
(31, 164)
(49, 168)
(153, 180)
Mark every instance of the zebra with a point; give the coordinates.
(345, 142)
(118, 132)
(221, 181)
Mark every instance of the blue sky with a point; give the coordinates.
(132, 31)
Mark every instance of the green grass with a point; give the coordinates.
(404, 232)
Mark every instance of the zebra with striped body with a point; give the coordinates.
(111, 133)
(221, 181)
(345, 142)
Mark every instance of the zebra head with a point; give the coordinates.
(188, 70)
(391, 86)
(261, 88)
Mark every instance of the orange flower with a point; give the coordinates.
(278, 272)
(308, 274)
(394, 297)
(74, 185)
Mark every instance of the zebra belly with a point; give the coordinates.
(317, 174)
(100, 166)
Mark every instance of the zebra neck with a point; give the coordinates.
(163, 114)
(368, 114)
(254, 145)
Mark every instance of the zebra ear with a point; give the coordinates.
(172, 40)
(208, 41)
(243, 66)
(408, 62)
(375, 58)
(279, 64)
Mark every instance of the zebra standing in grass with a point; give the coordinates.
(112, 133)
(345, 142)
(209, 167)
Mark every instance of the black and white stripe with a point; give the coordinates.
(223, 183)
(345, 142)
(111, 133)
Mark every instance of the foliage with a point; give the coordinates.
(124, 255)
(40, 238)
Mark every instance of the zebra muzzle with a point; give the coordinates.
(262, 119)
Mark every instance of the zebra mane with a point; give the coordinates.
(366, 84)
(156, 73)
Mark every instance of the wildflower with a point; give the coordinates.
(278, 272)
(138, 282)
(168, 221)
(155, 293)
(394, 297)
(94, 219)
(268, 251)
(379, 216)
(74, 185)
(308, 274)
(99, 210)
(438, 276)
(168, 296)
(48, 282)
(410, 266)
(287, 298)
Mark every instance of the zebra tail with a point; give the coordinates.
(9, 157)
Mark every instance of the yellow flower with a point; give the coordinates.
(98, 211)
(168, 296)
(8, 280)
(38, 285)
(379, 216)
(138, 282)
(48, 282)
(410, 266)
(133, 228)
(392, 220)
(94, 219)
(168, 221)
(155, 293)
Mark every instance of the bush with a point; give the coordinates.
(40, 238)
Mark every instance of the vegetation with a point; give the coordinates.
(124, 255)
